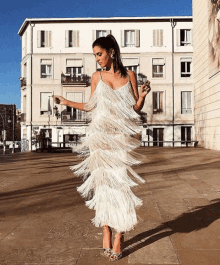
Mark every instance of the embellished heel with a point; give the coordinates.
(116, 256)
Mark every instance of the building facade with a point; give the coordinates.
(8, 123)
(57, 59)
(206, 58)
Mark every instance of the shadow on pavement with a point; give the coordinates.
(42, 198)
(200, 218)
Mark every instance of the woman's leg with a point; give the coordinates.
(118, 244)
(107, 237)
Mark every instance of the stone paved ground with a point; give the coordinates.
(43, 220)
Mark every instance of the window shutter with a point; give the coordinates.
(189, 105)
(108, 31)
(137, 38)
(74, 36)
(158, 37)
(158, 61)
(93, 35)
(70, 96)
(154, 37)
(161, 38)
(79, 97)
(45, 101)
(77, 38)
(122, 38)
(161, 101)
(49, 38)
(184, 102)
(38, 38)
(46, 39)
(178, 37)
(67, 38)
(191, 37)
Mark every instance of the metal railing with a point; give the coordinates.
(79, 118)
(23, 81)
(23, 117)
(73, 79)
(173, 142)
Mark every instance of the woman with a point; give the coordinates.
(113, 107)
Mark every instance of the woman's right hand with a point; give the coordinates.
(59, 100)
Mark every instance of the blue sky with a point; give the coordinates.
(13, 14)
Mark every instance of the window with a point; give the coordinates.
(158, 136)
(130, 38)
(184, 37)
(46, 103)
(158, 37)
(157, 102)
(44, 38)
(185, 64)
(131, 64)
(158, 68)
(74, 67)
(100, 33)
(185, 134)
(75, 114)
(72, 38)
(46, 65)
(186, 102)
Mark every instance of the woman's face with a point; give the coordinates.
(103, 58)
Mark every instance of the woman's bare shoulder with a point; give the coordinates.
(132, 74)
(95, 77)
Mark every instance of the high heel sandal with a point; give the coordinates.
(107, 251)
(116, 256)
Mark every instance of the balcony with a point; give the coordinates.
(23, 81)
(23, 117)
(80, 80)
(79, 118)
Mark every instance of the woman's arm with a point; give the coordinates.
(80, 106)
(145, 90)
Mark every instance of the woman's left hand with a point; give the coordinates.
(145, 89)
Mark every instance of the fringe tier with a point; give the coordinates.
(108, 151)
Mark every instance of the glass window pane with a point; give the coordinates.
(188, 67)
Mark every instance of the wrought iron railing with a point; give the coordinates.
(80, 117)
(23, 81)
(23, 117)
(75, 79)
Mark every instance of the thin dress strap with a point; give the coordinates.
(128, 77)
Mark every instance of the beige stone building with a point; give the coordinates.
(206, 60)
(57, 58)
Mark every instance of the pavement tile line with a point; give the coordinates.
(180, 215)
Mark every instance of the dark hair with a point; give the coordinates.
(109, 42)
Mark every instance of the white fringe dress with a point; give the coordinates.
(108, 146)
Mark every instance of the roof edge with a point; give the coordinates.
(34, 20)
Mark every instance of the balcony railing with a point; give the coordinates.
(23, 117)
(23, 81)
(78, 118)
(75, 80)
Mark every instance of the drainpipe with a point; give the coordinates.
(32, 25)
(173, 24)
